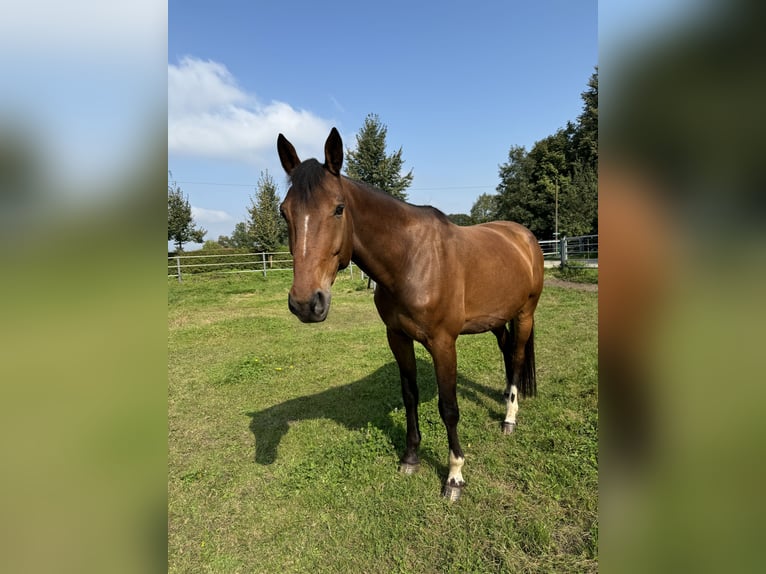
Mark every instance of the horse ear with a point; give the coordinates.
(333, 152)
(287, 154)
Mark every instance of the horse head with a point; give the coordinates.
(320, 226)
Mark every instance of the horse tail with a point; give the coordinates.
(527, 376)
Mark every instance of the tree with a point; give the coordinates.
(370, 164)
(516, 200)
(267, 228)
(586, 135)
(460, 219)
(181, 228)
(240, 237)
(550, 179)
(585, 181)
(484, 209)
(554, 187)
(211, 245)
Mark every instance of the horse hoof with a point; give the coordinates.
(452, 492)
(508, 428)
(408, 468)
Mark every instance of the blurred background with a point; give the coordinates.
(83, 162)
(681, 215)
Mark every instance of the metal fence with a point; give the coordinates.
(581, 250)
(263, 262)
(179, 265)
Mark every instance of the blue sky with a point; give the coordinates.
(457, 84)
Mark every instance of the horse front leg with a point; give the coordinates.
(404, 352)
(445, 364)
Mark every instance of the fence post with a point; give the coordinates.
(263, 257)
(178, 267)
(563, 250)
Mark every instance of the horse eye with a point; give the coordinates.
(339, 210)
(282, 214)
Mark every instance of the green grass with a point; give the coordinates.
(284, 441)
(575, 272)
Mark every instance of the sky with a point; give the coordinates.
(456, 83)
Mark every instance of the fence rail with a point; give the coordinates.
(583, 250)
(261, 262)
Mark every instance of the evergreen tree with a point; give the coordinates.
(181, 228)
(370, 164)
(586, 137)
(267, 229)
(585, 180)
(585, 171)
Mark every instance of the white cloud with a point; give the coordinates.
(196, 87)
(210, 216)
(210, 115)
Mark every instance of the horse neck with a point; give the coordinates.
(382, 236)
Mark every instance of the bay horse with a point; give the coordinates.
(434, 281)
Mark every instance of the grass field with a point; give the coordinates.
(284, 441)
(575, 272)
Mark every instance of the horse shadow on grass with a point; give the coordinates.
(370, 400)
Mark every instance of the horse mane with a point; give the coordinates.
(309, 174)
(437, 213)
(423, 209)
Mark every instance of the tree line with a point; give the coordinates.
(552, 188)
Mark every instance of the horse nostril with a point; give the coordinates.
(313, 310)
(318, 303)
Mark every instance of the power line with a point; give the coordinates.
(216, 183)
(453, 187)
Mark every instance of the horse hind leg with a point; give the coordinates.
(512, 407)
(517, 346)
(506, 342)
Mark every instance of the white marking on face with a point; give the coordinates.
(305, 233)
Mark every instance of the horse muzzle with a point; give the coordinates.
(312, 311)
